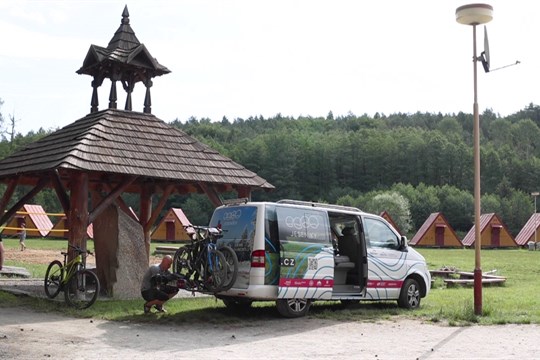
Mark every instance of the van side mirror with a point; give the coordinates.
(403, 243)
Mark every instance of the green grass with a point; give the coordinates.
(518, 301)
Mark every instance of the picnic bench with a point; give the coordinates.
(465, 282)
(464, 278)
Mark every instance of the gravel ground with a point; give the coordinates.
(33, 335)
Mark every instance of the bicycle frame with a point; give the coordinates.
(71, 267)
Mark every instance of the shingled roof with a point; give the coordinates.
(129, 143)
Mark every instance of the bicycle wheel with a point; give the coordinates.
(53, 279)
(215, 272)
(82, 289)
(232, 266)
(182, 262)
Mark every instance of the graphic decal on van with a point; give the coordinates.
(238, 225)
(306, 260)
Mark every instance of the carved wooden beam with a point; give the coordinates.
(155, 212)
(40, 185)
(110, 198)
(61, 192)
(122, 204)
(8, 194)
(212, 194)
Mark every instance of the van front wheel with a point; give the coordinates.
(409, 298)
(293, 308)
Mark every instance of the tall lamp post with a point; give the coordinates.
(476, 14)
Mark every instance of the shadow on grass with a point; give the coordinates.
(207, 310)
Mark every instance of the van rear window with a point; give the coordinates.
(302, 225)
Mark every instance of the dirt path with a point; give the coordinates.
(33, 335)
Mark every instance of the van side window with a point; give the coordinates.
(379, 235)
(302, 225)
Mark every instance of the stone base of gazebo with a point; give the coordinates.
(121, 258)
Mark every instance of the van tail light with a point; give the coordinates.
(257, 258)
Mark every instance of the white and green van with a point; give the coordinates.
(296, 252)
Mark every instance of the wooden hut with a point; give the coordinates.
(36, 221)
(436, 232)
(493, 233)
(172, 227)
(530, 232)
(385, 215)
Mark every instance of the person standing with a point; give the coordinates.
(154, 288)
(22, 236)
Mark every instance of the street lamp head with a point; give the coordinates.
(474, 14)
(535, 193)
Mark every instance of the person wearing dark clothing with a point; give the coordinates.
(154, 288)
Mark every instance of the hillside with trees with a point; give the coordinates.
(408, 164)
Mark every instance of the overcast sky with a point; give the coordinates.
(248, 58)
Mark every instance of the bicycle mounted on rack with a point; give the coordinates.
(80, 285)
(203, 266)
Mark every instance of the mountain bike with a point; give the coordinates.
(80, 285)
(202, 266)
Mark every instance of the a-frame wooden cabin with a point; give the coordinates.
(93, 161)
(37, 223)
(173, 227)
(436, 232)
(530, 231)
(493, 233)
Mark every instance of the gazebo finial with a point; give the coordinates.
(125, 16)
(126, 60)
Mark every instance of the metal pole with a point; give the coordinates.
(477, 238)
(535, 226)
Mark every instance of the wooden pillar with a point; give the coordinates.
(244, 192)
(145, 214)
(78, 210)
(147, 98)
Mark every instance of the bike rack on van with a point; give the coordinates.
(316, 204)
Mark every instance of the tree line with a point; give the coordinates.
(415, 163)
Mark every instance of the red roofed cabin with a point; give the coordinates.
(436, 232)
(37, 222)
(171, 227)
(530, 232)
(493, 232)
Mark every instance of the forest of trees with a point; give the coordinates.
(414, 164)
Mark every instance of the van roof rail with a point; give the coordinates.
(236, 201)
(316, 204)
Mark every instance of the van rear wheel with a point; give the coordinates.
(293, 308)
(409, 298)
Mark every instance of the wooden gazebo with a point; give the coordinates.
(93, 161)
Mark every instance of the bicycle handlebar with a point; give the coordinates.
(80, 250)
(210, 232)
